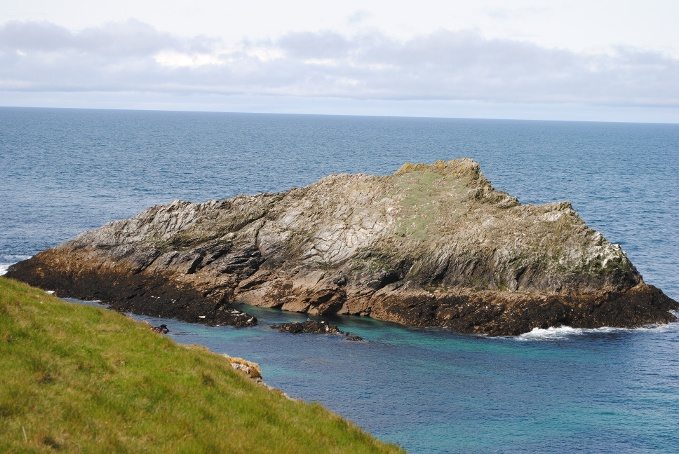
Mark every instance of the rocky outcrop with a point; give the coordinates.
(314, 327)
(249, 368)
(252, 370)
(431, 245)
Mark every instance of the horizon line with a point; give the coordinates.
(424, 117)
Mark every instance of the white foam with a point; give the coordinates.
(551, 333)
(4, 266)
(565, 332)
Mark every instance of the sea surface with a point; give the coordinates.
(556, 390)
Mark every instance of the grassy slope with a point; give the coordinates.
(81, 378)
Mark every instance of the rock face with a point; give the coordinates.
(431, 245)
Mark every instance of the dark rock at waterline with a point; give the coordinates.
(313, 327)
(126, 291)
(432, 245)
(162, 329)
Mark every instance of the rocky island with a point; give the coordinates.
(433, 245)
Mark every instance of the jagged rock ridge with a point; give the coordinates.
(431, 245)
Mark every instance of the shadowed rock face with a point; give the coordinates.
(431, 245)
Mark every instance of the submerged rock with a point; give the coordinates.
(431, 245)
(313, 327)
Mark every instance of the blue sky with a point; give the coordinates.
(570, 60)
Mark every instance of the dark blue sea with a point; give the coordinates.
(557, 390)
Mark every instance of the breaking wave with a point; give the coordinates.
(8, 260)
(566, 332)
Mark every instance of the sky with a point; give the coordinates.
(596, 60)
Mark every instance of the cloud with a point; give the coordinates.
(443, 65)
(315, 45)
(358, 17)
(117, 39)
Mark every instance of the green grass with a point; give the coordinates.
(426, 194)
(78, 378)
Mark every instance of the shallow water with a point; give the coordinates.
(63, 171)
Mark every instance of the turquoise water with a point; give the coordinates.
(434, 391)
(63, 171)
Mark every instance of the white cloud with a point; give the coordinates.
(443, 65)
(175, 59)
(358, 17)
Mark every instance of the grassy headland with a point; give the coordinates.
(84, 379)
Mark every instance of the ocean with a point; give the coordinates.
(431, 391)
